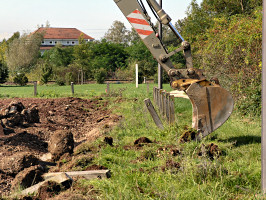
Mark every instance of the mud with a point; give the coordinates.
(85, 119)
(211, 151)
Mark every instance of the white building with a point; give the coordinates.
(64, 36)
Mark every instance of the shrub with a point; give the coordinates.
(21, 79)
(60, 81)
(46, 73)
(100, 75)
(69, 78)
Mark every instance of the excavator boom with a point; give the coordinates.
(212, 105)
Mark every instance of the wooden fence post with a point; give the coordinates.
(107, 88)
(72, 88)
(167, 107)
(35, 88)
(154, 114)
(157, 96)
(163, 103)
(154, 95)
(172, 109)
(148, 88)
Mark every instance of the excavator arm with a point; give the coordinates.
(212, 105)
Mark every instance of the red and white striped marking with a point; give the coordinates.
(140, 24)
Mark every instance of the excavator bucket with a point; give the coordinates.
(212, 106)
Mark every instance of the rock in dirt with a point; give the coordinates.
(17, 162)
(28, 177)
(61, 142)
(142, 140)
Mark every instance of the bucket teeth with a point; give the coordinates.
(212, 106)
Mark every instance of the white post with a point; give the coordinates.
(263, 114)
(137, 76)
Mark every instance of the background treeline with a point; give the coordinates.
(226, 40)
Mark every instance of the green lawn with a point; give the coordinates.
(145, 173)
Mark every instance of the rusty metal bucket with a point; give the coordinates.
(212, 106)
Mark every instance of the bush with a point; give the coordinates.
(46, 73)
(21, 79)
(69, 78)
(100, 75)
(60, 81)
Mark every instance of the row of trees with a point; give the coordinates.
(114, 57)
(225, 36)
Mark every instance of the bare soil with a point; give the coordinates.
(86, 119)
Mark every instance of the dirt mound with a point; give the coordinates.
(16, 115)
(28, 125)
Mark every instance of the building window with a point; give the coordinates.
(55, 42)
(42, 42)
(67, 42)
(51, 42)
(73, 42)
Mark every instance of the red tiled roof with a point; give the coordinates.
(62, 33)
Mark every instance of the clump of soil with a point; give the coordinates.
(61, 142)
(108, 140)
(171, 149)
(28, 177)
(49, 190)
(142, 140)
(16, 115)
(212, 151)
(188, 136)
(171, 165)
(95, 167)
(138, 143)
(17, 162)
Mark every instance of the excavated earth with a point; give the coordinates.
(86, 119)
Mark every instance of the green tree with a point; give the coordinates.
(23, 53)
(139, 53)
(107, 55)
(118, 33)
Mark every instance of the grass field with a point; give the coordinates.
(153, 171)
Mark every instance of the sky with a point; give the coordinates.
(93, 17)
